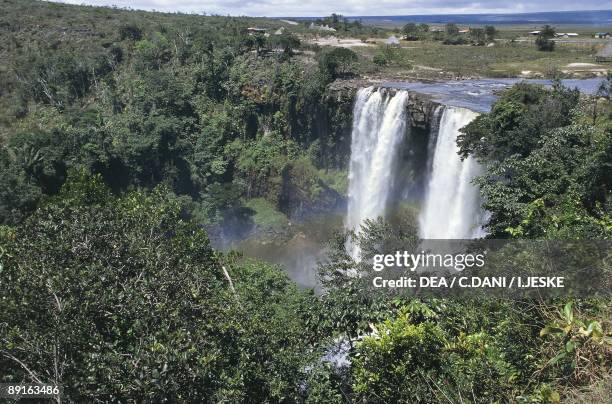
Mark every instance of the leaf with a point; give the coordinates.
(595, 329)
(570, 346)
(555, 398)
(557, 358)
(550, 329)
(568, 313)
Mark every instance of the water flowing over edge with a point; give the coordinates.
(451, 204)
(379, 129)
(451, 208)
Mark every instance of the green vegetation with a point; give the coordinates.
(544, 41)
(197, 103)
(129, 139)
(119, 299)
(337, 62)
(414, 32)
(453, 51)
(549, 164)
(343, 26)
(337, 180)
(266, 217)
(439, 350)
(504, 59)
(196, 325)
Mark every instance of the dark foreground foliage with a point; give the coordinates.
(119, 299)
(549, 164)
(122, 133)
(122, 299)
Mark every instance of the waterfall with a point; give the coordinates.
(379, 128)
(451, 207)
(451, 204)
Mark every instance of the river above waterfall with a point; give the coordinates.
(479, 95)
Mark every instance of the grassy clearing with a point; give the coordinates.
(502, 60)
(336, 180)
(266, 216)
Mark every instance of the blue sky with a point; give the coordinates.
(277, 8)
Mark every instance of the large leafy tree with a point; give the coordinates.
(544, 41)
(337, 62)
(118, 298)
(517, 121)
(549, 171)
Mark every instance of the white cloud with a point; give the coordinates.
(288, 8)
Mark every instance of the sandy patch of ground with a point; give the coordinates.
(342, 43)
(579, 65)
(421, 67)
(530, 74)
(582, 68)
(596, 72)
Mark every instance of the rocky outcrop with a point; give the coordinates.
(422, 121)
(421, 110)
(420, 106)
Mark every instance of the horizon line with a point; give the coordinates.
(444, 14)
(152, 10)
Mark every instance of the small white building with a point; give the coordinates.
(256, 30)
(566, 34)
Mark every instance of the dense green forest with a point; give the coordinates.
(129, 140)
(145, 99)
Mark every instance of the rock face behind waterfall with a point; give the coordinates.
(403, 148)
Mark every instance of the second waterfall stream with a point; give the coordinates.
(450, 203)
(451, 206)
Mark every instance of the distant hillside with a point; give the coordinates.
(29, 27)
(215, 110)
(579, 18)
(38, 23)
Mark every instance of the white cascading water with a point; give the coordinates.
(452, 206)
(379, 128)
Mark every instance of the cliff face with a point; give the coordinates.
(299, 199)
(422, 123)
(421, 110)
(333, 127)
(340, 100)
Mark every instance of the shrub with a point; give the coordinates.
(380, 59)
(337, 62)
(131, 32)
(545, 45)
(398, 361)
(455, 40)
